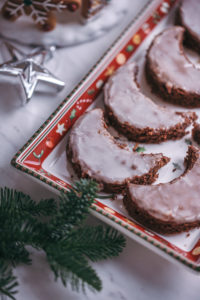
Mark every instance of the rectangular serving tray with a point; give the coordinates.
(44, 158)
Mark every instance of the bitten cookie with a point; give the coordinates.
(39, 10)
(137, 116)
(168, 207)
(94, 153)
(188, 17)
(169, 72)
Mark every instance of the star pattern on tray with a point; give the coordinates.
(61, 128)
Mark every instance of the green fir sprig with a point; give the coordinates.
(57, 228)
(8, 281)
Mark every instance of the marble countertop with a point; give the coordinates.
(137, 273)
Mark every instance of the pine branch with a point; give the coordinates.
(20, 205)
(8, 281)
(18, 221)
(68, 258)
(72, 210)
(71, 267)
(68, 246)
(96, 243)
(74, 206)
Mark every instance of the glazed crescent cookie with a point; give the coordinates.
(95, 154)
(168, 207)
(188, 17)
(137, 116)
(39, 10)
(169, 72)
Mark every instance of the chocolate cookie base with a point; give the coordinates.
(160, 226)
(196, 133)
(116, 187)
(150, 135)
(190, 40)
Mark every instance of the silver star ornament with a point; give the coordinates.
(31, 71)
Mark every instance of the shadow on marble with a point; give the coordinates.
(37, 280)
(11, 95)
(144, 265)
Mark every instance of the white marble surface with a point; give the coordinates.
(137, 273)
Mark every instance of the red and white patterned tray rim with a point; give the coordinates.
(29, 159)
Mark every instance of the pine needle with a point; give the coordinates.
(56, 228)
(8, 281)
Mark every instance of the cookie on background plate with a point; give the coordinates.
(70, 28)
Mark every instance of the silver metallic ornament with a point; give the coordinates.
(30, 70)
(11, 51)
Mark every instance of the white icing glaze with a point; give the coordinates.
(95, 150)
(128, 104)
(190, 12)
(177, 201)
(171, 66)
